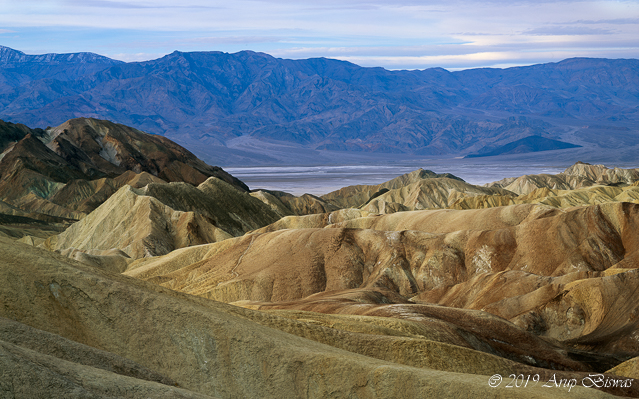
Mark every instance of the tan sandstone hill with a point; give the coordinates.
(138, 225)
(159, 218)
(76, 331)
(591, 195)
(314, 221)
(428, 194)
(48, 214)
(85, 196)
(357, 196)
(285, 204)
(487, 259)
(577, 176)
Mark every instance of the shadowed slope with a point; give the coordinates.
(73, 200)
(521, 146)
(116, 148)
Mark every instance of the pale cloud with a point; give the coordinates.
(618, 21)
(123, 5)
(134, 57)
(231, 40)
(566, 31)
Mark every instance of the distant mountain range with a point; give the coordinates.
(250, 107)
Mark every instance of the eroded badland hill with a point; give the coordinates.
(129, 268)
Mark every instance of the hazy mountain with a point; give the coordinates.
(248, 107)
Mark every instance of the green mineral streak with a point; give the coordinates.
(45, 188)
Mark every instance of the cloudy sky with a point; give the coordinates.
(394, 34)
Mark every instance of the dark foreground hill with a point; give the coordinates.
(251, 107)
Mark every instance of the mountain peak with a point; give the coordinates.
(8, 55)
(11, 56)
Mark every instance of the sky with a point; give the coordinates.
(402, 34)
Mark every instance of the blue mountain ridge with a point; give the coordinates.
(217, 100)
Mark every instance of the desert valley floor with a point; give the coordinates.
(130, 269)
